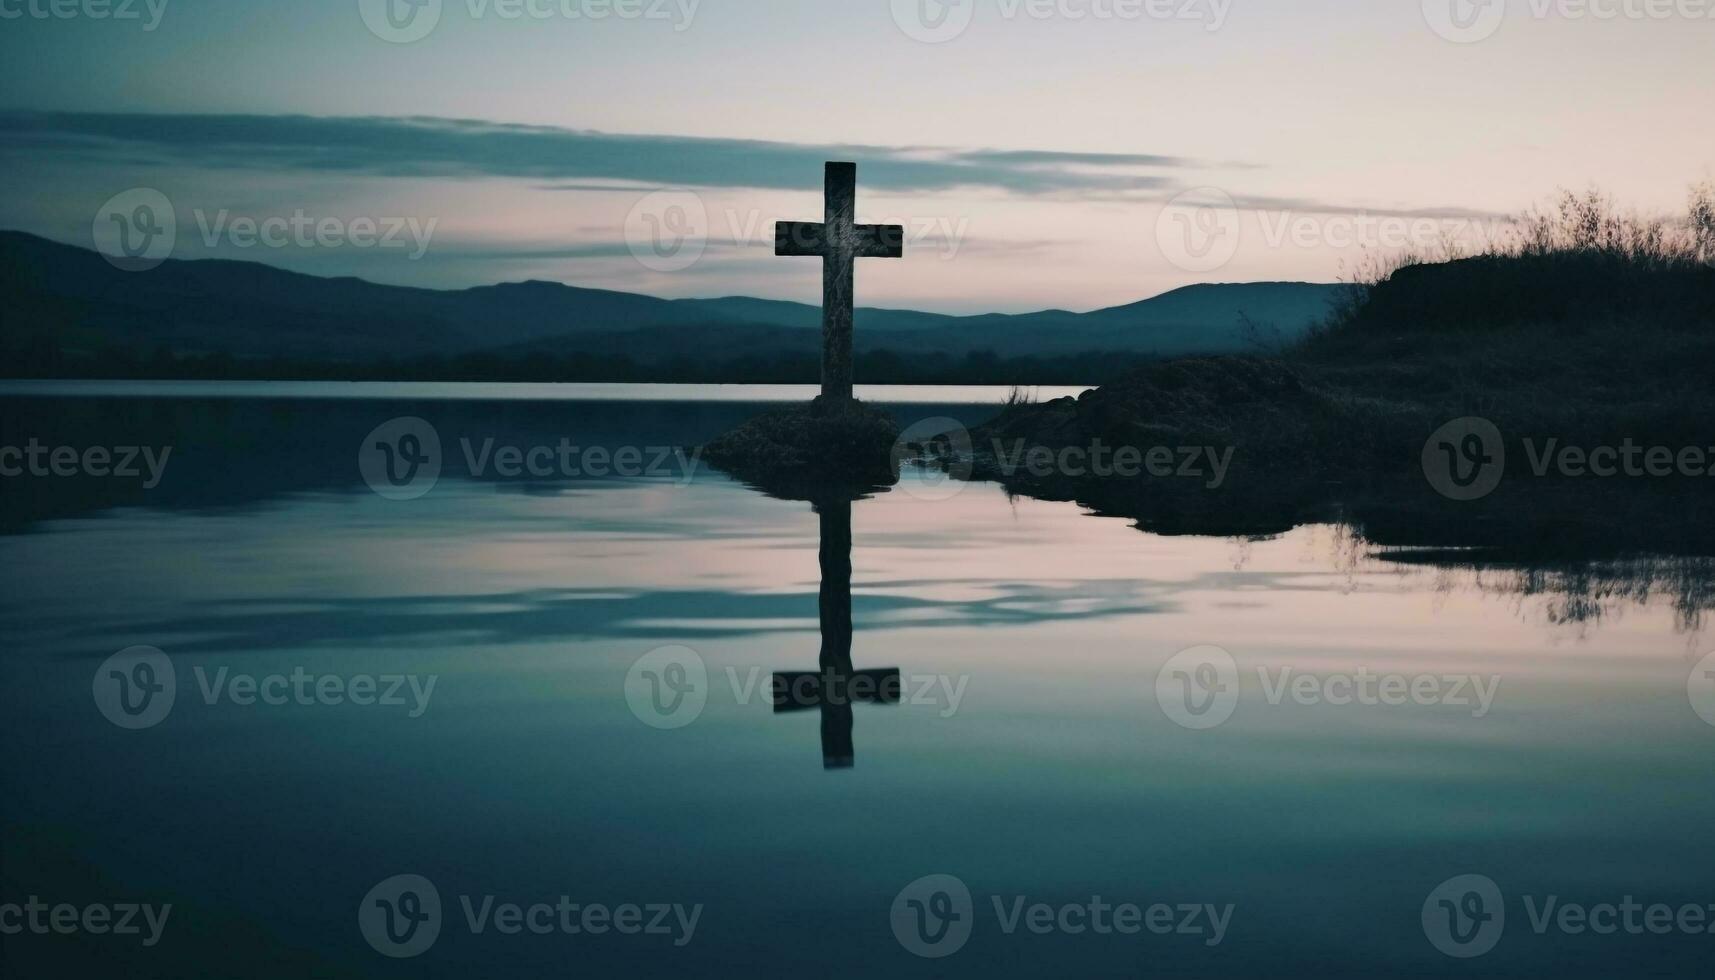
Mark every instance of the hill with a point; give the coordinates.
(66, 304)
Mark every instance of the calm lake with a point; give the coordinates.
(530, 675)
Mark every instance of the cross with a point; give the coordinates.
(836, 686)
(839, 241)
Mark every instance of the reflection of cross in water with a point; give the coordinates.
(836, 686)
(839, 241)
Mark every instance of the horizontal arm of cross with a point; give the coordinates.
(810, 238)
(800, 238)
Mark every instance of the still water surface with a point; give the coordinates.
(1034, 754)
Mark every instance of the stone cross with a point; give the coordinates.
(839, 241)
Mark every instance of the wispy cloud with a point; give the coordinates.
(580, 160)
(1306, 205)
(489, 251)
(462, 148)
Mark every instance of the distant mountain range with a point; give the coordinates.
(74, 299)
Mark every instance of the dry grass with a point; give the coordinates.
(1572, 228)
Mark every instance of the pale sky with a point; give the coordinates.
(1030, 154)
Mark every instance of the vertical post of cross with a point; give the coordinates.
(839, 241)
(838, 212)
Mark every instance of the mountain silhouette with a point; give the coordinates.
(73, 298)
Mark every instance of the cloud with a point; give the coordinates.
(1306, 205)
(488, 251)
(501, 252)
(1038, 158)
(463, 148)
(592, 162)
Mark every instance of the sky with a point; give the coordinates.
(1040, 154)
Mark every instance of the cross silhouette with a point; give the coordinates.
(839, 241)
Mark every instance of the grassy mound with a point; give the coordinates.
(1279, 433)
(809, 452)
